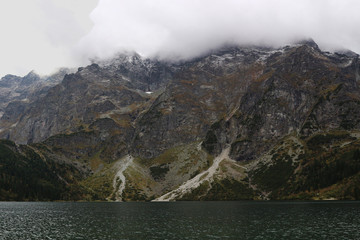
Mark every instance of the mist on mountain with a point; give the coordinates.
(183, 29)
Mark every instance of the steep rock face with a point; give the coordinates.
(237, 123)
(104, 139)
(23, 90)
(79, 100)
(201, 92)
(300, 91)
(137, 72)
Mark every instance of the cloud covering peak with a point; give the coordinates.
(183, 29)
(42, 35)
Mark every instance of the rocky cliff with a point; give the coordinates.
(237, 123)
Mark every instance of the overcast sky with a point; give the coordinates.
(46, 34)
(41, 35)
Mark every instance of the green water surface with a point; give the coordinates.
(180, 220)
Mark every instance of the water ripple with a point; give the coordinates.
(180, 220)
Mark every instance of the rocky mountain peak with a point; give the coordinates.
(240, 122)
(9, 80)
(30, 78)
(308, 42)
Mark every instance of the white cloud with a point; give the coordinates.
(40, 34)
(186, 28)
(45, 34)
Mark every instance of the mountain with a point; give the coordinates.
(18, 91)
(236, 123)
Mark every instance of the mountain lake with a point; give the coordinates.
(180, 220)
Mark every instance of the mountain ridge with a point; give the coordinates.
(268, 107)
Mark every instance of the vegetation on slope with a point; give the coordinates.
(25, 175)
(329, 168)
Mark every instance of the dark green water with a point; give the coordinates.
(180, 220)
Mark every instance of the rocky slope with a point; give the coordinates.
(237, 123)
(21, 90)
